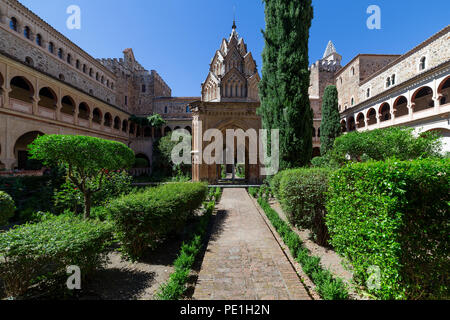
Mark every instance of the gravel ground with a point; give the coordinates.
(123, 280)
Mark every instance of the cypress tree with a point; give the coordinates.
(330, 128)
(285, 79)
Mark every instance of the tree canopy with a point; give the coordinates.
(87, 159)
(154, 120)
(381, 144)
(285, 79)
(330, 127)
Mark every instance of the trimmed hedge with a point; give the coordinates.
(7, 208)
(143, 218)
(302, 196)
(32, 194)
(175, 287)
(394, 215)
(275, 183)
(45, 249)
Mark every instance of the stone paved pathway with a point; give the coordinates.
(243, 261)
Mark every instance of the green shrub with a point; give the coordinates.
(302, 196)
(45, 249)
(7, 208)
(275, 184)
(382, 144)
(88, 160)
(325, 161)
(175, 287)
(254, 192)
(394, 215)
(144, 217)
(31, 194)
(69, 197)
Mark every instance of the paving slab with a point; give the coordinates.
(243, 260)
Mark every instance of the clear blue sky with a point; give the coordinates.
(178, 38)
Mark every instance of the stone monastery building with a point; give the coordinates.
(49, 85)
(378, 91)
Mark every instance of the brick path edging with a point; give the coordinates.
(309, 285)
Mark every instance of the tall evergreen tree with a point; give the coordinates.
(330, 128)
(285, 79)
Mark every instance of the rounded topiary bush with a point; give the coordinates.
(7, 207)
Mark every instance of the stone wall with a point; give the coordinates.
(436, 51)
(13, 43)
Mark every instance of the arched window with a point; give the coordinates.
(84, 68)
(83, 111)
(124, 125)
(187, 109)
(401, 107)
(422, 99)
(423, 63)
(69, 59)
(371, 117)
(165, 109)
(68, 105)
(353, 101)
(351, 124)
(47, 98)
(13, 24)
(77, 64)
(393, 79)
(39, 40)
(368, 93)
(21, 89)
(108, 120)
(97, 116)
(91, 72)
(360, 120)
(385, 112)
(388, 82)
(96, 76)
(27, 32)
(117, 123)
(60, 53)
(51, 47)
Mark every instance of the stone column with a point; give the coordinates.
(9, 163)
(411, 109)
(58, 109)
(35, 105)
(437, 106)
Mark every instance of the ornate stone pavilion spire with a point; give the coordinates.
(233, 76)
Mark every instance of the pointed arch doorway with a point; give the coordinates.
(223, 116)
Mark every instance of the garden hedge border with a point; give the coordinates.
(175, 287)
